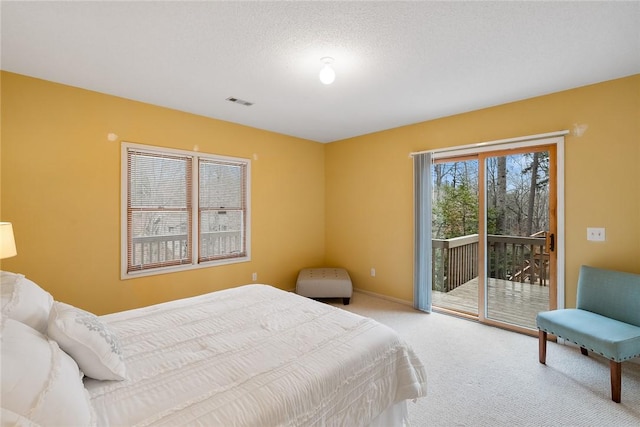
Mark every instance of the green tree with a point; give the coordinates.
(456, 213)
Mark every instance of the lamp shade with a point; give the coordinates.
(7, 242)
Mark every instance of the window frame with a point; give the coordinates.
(193, 229)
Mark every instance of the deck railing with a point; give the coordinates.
(159, 248)
(518, 259)
(455, 261)
(218, 243)
(174, 247)
(521, 259)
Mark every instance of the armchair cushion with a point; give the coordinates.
(610, 338)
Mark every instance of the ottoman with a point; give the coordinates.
(325, 283)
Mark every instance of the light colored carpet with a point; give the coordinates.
(479, 375)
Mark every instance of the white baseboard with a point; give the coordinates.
(375, 295)
(385, 297)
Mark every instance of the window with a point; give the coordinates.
(182, 210)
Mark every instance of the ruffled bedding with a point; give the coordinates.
(254, 356)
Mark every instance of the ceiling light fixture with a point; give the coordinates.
(327, 74)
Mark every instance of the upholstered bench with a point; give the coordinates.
(325, 283)
(606, 320)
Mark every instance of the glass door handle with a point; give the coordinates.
(552, 242)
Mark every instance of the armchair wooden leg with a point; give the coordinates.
(542, 346)
(616, 380)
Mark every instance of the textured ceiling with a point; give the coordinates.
(397, 63)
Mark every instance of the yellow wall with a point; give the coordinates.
(60, 187)
(369, 219)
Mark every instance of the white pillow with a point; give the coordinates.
(24, 301)
(40, 382)
(92, 345)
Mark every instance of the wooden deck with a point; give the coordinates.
(511, 302)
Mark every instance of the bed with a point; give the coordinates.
(247, 356)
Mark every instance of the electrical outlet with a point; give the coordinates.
(254, 276)
(595, 234)
(373, 272)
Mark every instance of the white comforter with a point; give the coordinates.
(254, 356)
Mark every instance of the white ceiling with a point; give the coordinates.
(397, 63)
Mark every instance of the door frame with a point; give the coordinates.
(548, 139)
(482, 230)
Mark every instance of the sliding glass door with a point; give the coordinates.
(518, 224)
(455, 219)
(493, 235)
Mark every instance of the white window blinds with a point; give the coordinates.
(222, 209)
(183, 209)
(158, 210)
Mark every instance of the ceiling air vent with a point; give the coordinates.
(240, 101)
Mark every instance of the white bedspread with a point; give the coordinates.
(254, 356)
